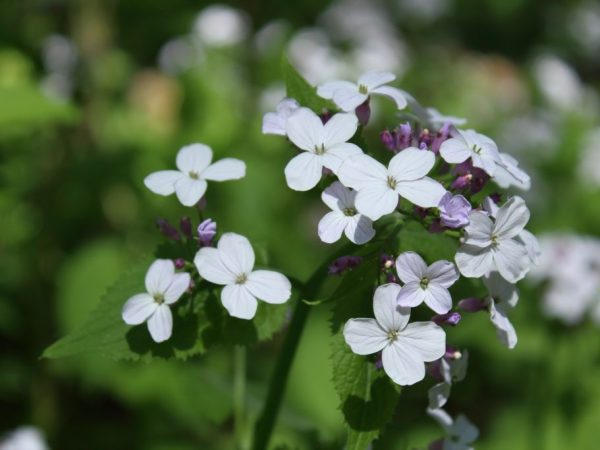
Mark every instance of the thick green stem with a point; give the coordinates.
(239, 397)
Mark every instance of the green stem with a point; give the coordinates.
(239, 396)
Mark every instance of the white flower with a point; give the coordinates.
(452, 370)
(503, 297)
(344, 218)
(189, 182)
(508, 173)
(349, 95)
(323, 145)
(163, 288)
(470, 144)
(231, 264)
(424, 283)
(24, 438)
(495, 245)
(378, 187)
(460, 433)
(274, 122)
(435, 117)
(405, 347)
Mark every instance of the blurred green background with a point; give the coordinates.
(94, 95)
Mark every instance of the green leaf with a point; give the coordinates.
(301, 90)
(431, 246)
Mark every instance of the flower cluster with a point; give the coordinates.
(441, 170)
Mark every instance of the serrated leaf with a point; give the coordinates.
(301, 90)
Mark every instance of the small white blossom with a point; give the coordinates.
(496, 245)
(348, 95)
(379, 186)
(344, 218)
(274, 122)
(460, 433)
(189, 182)
(424, 283)
(503, 297)
(323, 145)
(163, 288)
(231, 264)
(470, 144)
(405, 347)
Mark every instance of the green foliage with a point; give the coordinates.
(431, 246)
(301, 90)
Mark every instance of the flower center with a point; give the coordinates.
(159, 298)
(241, 279)
(363, 89)
(193, 175)
(349, 212)
(319, 149)
(391, 182)
(424, 282)
(392, 335)
(494, 240)
(476, 149)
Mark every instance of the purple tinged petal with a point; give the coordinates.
(454, 211)
(206, 232)
(363, 112)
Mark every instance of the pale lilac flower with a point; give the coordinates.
(470, 144)
(344, 218)
(424, 283)
(405, 347)
(163, 288)
(343, 263)
(231, 264)
(207, 230)
(495, 245)
(379, 186)
(460, 433)
(274, 122)
(349, 95)
(502, 298)
(454, 211)
(322, 145)
(194, 170)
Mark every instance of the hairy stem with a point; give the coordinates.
(239, 396)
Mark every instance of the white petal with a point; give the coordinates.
(236, 253)
(373, 79)
(273, 124)
(179, 284)
(163, 182)
(438, 395)
(480, 229)
(465, 430)
(193, 158)
(510, 258)
(225, 169)
(160, 324)
(509, 174)
(501, 290)
(159, 276)
(425, 192)
(486, 162)
(338, 197)
(393, 93)
(359, 229)
(425, 338)
(339, 129)
(454, 151)
(473, 262)
(443, 273)
(511, 218)
(211, 268)
(402, 364)
(376, 201)
(189, 191)
(388, 314)
(269, 286)
(335, 156)
(138, 308)
(361, 171)
(305, 129)
(326, 90)
(411, 164)
(438, 298)
(410, 267)
(441, 417)
(364, 336)
(411, 295)
(304, 171)
(532, 245)
(331, 226)
(504, 329)
(349, 99)
(239, 301)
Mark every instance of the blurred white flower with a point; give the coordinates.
(178, 55)
(24, 438)
(59, 54)
(589, 163)
(460, 432)
(220, 25)
(275, 122)
(558, 82)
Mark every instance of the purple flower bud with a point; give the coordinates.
(379, 362)
(452, 353)
(185, 225)
(206, 232)
(179, 263)
(391, 278)
(451, 318)
(167, 229)
(440, 137)
(462, 181)
(434, 369)
(343, 263)
(387, 138)
(471, 304)
(454, 211)
(201, 205)
(363, 112)
(403, 136)
(425, 139)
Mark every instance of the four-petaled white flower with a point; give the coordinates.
(274, 122)
(424, 283)
(405, 347)
(189, 182)
(495, 245)
(348, 95)
(470, 144)
(503, 297)
(323, 145)
(378, 187)
(460, 433)
(231, 264)
(163, 288)
(344, 218)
